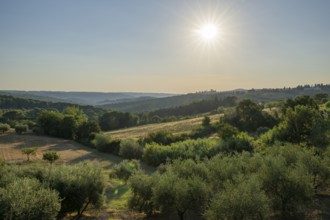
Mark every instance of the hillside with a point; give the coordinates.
(260, 95)
(70, 151)
(84, 98)
(10, 102)
(177, 127)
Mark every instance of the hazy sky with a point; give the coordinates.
(152, 45)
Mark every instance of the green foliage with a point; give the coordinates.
(141, 185)
(125, 169)
(248, 116)
(327, 105)
(197, 107)
(104, 143)
(262, 130)
(29, 151)
(288, 187)
(281, 181)
(51, 156)
(4, 127)
(79, 186)
(50, 122)
(114, 120)
(226, 131)
(25, 198)
(87, 128)
(206, 121)
(155, 154)
(72, 124)
(14, 115)
(241, 199)
(130, 149)
(303, 124)
(300, 100)
(174, 193)
(20, 128)
(239, 143)
(20, 104)
(321, 98)
(76, 188)
(161, 137)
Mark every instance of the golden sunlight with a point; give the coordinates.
(209, 32)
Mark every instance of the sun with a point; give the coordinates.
(209, 32)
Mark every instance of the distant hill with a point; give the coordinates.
(84, 98)
(10, 102)
(259, 95)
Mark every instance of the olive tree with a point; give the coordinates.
(29, 151)
(51, 156)
(79, 186)
(25, 198)
(242, 198)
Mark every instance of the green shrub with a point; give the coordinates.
(20, 128)
(241, 142)
(289, 187)
(51, 156)
(155, 154)
(160, 137)
(29, 151)
(130, 149)
(241, 199)
(141, 185)
(226, 131)
(79, 187)
(26, 199)
(105, 144)
(4, 127)
(125, 169)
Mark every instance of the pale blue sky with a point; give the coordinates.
(150, 45)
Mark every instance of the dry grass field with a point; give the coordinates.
(11, 145)
(176, 127)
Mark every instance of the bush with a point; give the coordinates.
(25, 198)
(20, 128)
(130, 149)
(105, 144)
(178, 194)
(125, 169)
(289, 187)
(141, 199)
(155, 154)
(226, 131)
(51, 156)
(160, 137)
(4, 127)
(29, 123)
(79, 186)
(29, 151)
(241, 199)
(241, 142)
(262, 130)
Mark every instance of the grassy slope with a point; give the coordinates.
(176, 127)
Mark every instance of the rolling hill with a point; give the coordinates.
(260, 95)
(84, 98)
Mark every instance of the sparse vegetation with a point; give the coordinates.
(29, 151)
